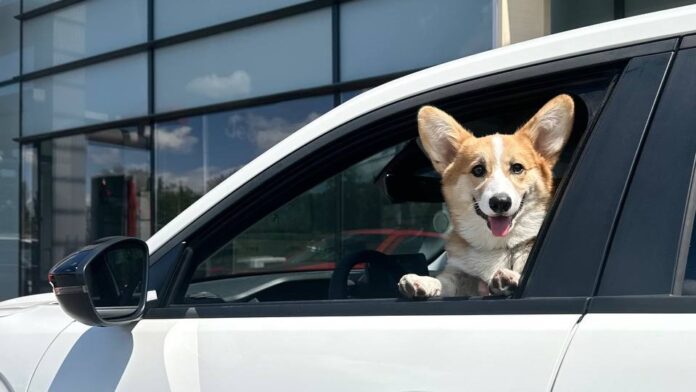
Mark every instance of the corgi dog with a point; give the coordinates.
(497, 189)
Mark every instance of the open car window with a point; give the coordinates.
(347, 213)
(387, 201)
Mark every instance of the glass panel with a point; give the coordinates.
(178, 16)
(194, 154)
(33, 4)
(83, 30)
(344, 214)
(288, 54)
(9, 191)
(91, 186)
(348, 95)
(568, 15)
(376, 40)
(9, 39)
(103, 92)
(637, 7)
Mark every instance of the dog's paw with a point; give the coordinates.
(504, 282)
(415, 286)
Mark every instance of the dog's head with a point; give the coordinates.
(497, 187)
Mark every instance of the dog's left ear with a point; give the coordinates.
(550, 127)
(440, 135)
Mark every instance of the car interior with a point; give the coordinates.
(377, 214)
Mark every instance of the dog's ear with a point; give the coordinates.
(440, 136)
(550, 127)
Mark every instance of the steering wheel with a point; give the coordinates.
(382, 272)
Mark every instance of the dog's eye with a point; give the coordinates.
(478, 171)
(516, 168)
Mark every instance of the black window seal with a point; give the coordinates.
(641, 304)
(376, 307)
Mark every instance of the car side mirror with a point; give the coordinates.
(105, 283)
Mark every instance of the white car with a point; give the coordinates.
(603, 305)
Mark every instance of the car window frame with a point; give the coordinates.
(378, 307)
(654, 285)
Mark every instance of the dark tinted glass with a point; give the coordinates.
(650, 235)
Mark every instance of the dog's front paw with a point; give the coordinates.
(504, 281)
(415, 286)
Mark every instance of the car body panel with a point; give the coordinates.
(129, 358)
(437, 353)
(29, 325)
(631, 352)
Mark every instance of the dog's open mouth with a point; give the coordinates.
(499, 225)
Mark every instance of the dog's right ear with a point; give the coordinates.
(440, 135)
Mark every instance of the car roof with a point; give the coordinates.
(643, 28)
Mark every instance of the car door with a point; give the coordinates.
(640, 330)
(249, 328)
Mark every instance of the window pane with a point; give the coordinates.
(568, 15)
(344, 214)
(380, 37)
(103, 92)
(92, 186)
(9, 39)
(82, 30)
(178, 16)
(289, 54)
(194, 154)
(9, 191)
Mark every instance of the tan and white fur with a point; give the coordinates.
(497, 189)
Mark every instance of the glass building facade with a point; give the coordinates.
(115, 115)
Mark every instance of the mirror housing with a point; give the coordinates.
(105, 283)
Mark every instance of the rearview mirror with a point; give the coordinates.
(104, 283)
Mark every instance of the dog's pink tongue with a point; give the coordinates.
(500, 225)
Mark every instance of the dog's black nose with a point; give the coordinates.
(500, 202)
